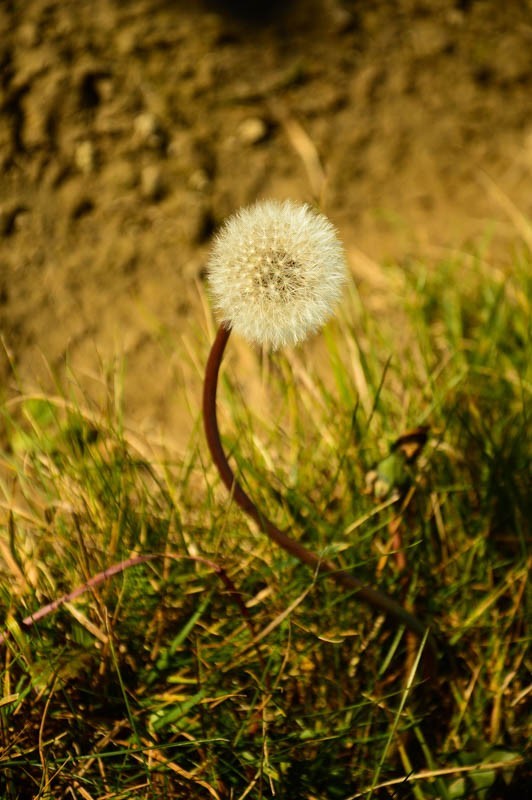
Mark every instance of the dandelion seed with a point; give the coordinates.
(276, 272)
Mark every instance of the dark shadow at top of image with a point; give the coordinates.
(252, 11)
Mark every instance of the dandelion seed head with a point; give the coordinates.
(276, 272)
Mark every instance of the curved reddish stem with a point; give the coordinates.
(373, 597)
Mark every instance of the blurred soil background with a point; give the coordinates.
(129, 129)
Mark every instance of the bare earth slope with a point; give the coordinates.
(129, 130)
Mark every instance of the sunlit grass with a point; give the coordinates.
(221, 667)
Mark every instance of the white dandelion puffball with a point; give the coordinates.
(276, 272)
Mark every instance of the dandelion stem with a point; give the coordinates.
(371, 596)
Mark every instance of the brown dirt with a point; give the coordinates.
(129, 130)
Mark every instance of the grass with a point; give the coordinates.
(220, 667)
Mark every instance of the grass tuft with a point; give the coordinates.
(204, 662)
